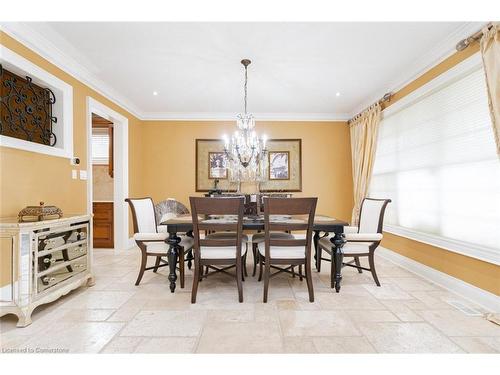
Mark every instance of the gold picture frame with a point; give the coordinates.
(293, 147)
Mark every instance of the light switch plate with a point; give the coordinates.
(83, 175)
(74, 174)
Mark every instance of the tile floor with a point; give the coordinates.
(406, 315)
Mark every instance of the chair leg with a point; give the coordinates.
(356, 260)
(300, 272)
(309, 281)
(318, 259)
(157, 263)
(144, 261)
(255, 258)
(182, 267)
(261, 265)
(196, 280)
(245, 273)
(293, 271)
(371, 261)
(267, 273)
(239, 278)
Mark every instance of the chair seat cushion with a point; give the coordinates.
(283, 252)
(349, 247)
(260, 237)
(226, 235)
(220, 252)
(162, 247)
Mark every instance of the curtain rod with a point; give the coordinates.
(386, 98)
(464, 43)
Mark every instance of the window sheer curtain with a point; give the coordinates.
(436, 159)
(490, 51)
(364, 130)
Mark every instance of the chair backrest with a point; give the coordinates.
(302, 208)
(168, 209)
(371, 215)
(214, 213)
(143, 214)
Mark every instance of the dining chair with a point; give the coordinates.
(260, 237)
(276, 253)
(151, 242)
(218, 253)
(361, 241)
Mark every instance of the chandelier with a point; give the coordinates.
(245, 151)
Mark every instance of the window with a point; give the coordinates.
(100, 146)
(436, 160)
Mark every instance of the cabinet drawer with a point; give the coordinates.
(59, 256)
(51, 279)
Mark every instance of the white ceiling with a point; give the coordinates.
(296, 70)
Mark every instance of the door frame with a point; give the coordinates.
(120, 169)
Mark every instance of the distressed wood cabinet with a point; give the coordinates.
(42, 261)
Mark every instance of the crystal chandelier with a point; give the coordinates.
(245, 151)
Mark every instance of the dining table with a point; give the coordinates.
(323, 226)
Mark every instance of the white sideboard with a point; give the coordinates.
(42, 261)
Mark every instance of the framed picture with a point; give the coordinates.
(284, 166)
(210, 166)
(216, 168)
(284, 163)
(279, 165)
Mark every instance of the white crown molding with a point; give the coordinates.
(42, 46)
(441, 51)
(212, 116)
(487, 300)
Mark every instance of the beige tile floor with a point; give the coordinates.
(406, 315)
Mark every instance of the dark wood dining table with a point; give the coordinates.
(323, 225)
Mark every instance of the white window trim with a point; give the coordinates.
(39, 74)
(484, 253)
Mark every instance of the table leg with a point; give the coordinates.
(173, 255)
(317, 257)
(338, 242)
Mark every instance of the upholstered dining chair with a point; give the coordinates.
(361, 241)
(275, 252)
(219, 253)
(150, 241)
(170, 209)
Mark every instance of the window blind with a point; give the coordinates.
(436, 160)
(100, 146)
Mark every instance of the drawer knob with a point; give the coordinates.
(47, 279)
(47, 261)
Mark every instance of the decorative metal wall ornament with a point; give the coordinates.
(26, 109)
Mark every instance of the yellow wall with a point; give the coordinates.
(28, 177)
(473, 271)
(168, 158)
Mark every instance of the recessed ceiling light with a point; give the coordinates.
(155, 93)
(337, 94)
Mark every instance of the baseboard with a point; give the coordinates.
(487, 300)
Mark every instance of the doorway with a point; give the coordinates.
(107, 166)
(102, 182)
